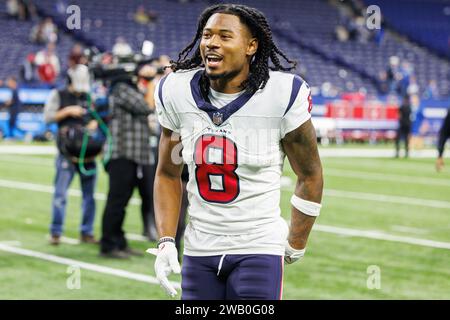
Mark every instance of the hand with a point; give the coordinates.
(92, 125)
(291, 255)
(439, 164)
(75, 111)
(166, 263)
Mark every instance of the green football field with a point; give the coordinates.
(383, 233)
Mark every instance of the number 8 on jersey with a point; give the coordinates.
(216, 163)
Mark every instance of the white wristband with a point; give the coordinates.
(307, 207)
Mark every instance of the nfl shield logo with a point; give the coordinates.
(217, 118)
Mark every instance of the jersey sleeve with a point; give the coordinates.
(299, 108)
(164, 108)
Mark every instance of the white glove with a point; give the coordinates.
(291, 255)
(166, 263)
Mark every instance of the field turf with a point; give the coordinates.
(405, 198)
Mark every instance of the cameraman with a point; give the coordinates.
(68, 108)
(131, 162)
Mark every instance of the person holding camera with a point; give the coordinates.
(68, 108)
(131, 164)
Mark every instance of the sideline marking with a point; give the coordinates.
(84, 265)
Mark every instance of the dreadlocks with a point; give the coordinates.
(259, 67)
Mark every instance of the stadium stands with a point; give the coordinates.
(16, 45)
(434, 16)
(304, 30)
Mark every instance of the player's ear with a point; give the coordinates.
(252, 46)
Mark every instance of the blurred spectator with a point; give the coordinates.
(160, 71)
(130, 165)
(352, 23)
(48, 64)
(148, 84)
(395, 76)
(77, 56)
(143, 16)
(28, 69)
(164, 63)
(44, 32)
(12, 8)
(61, 6)
(329, 90)
(341, 33)
(406, 80)
(14, 106)
(360, 31)
(353, 28)
(404, 126)
(444, 134)
(37, 33)
(29, 9)
(68, 108)
(50, 30)
(20, 9)
(412, 85)
(121, 48)
(431, 91)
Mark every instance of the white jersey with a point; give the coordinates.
(235, 160)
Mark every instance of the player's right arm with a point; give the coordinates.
(167, 202)
(168, 186)
(167, 192)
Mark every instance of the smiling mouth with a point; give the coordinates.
(213, 61)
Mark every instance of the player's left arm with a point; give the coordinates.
(300, 146)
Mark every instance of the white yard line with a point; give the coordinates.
(16, 149)
(136, 237)
(328, 192)
(27, 160)
(286, 183)
(387, 198)
(49, 189)
(14, 243)
(372, 153)
(66, 240)
(129, 236)
(381, 236)
(328, 172)
(364, 175)
(84, 265)
(324, 151)
(408, 229)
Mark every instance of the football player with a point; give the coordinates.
(237, 119)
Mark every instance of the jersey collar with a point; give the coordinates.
(217, 115)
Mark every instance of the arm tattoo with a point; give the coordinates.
(300, 147)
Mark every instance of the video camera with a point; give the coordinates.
(110, 69)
